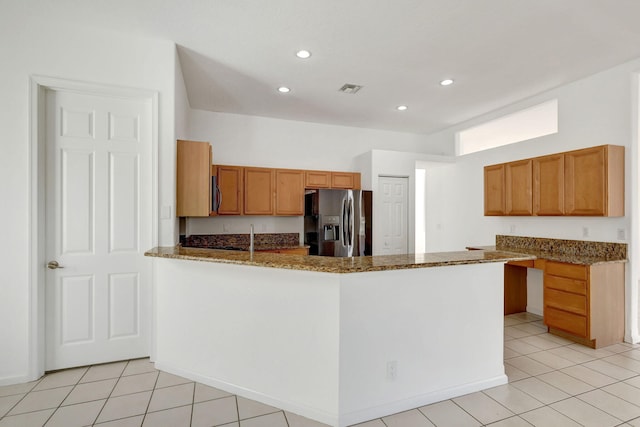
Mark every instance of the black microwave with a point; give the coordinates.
(216, 194)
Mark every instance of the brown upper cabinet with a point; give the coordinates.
(259, 187)
(325, 179)
(586, 182)
(193, 178)
(245, 190)
(518, 200)
(317, 179)
(494, 190)
(346, 180)
(594, 181)
(231, 186)
(290, 192)
(548, 185)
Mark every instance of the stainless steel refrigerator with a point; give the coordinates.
(338, 222)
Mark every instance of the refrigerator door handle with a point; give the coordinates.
(343, 236)
(351, 219)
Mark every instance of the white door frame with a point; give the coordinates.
(632, 285)
(410, 205)
(37, 224)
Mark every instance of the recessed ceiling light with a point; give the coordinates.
(303, 54)
(401, 107)
(446, 82)
(284, 89)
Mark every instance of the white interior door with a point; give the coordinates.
(393, 194)
(98, 209)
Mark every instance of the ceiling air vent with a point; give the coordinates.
(350, 88)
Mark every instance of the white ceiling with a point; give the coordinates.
(236, 53)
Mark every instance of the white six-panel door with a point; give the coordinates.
(98, 209)
(392, 192)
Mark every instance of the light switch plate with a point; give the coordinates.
(165, 212)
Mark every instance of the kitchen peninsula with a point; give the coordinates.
(338, 340)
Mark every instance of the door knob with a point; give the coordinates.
(52, 265)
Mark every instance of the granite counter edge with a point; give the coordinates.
(297, 262)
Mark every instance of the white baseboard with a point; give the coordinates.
(339, 420)
(289, 406)
(15, 380)
(418, 401)
(534, 310)
(632, 339)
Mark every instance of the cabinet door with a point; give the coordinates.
(548, 185)
(317, 179)
(346, 180)
(585, 182)
(518, 200)
(230, 183)
(494, 190)
(259, 186)
(193, 178)
(289, 192)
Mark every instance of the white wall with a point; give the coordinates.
(34, 46)
(261, 141)
(182, 112)
(594, 111)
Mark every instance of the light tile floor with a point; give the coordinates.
(552, 382)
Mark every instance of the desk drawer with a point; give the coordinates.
(565, 301)
(528, 263)
(564, 284)
(573, 271)
(568, 322)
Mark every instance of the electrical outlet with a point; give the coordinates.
(225, 226)
(263, 227)
(585, 231)
(392, 370)
(621, 234)
(512, 228)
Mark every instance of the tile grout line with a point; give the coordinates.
(21, 399)
(60, 404)
(617, 381)
(193, 401)
(237, 407)
(622, 351)
(111, 392)
(144, 417)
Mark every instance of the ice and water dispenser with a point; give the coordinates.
(331, 227)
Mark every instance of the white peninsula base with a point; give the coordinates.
(337, 348)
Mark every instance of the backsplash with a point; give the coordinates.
(582, 248)
(241, 241)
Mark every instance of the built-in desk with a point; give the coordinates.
(583, 286)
